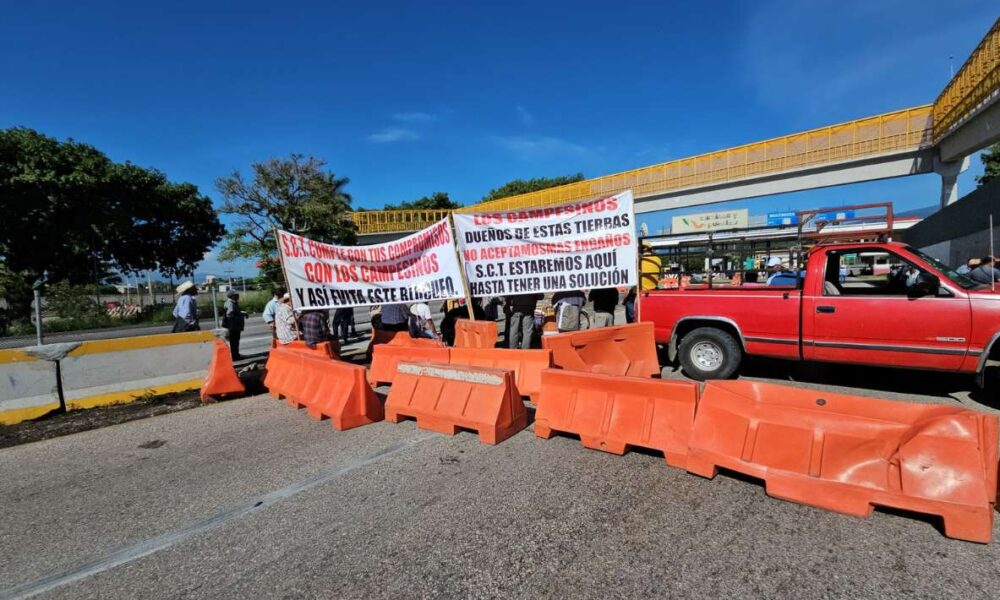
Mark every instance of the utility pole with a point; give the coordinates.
(213, 287)
(37, 289)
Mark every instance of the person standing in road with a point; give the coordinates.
(186, 309)
(420, 323)
(605, 300)
(271, 308)
(522, 319)
(343, 320)
(284, 321)
(568, 305)
(459, 311)
(395, 317)
(233, 319)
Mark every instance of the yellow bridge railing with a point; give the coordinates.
(901, 130)
(896, 131)
(392, 221)
(976, 82)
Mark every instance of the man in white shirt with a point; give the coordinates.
(271, 308)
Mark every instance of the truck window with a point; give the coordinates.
(874, 272)
(959, 279)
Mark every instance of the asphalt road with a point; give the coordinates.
(250, 498)
(256, 335)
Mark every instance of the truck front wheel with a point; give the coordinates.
(709, 353)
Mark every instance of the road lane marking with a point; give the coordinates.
(166, 540)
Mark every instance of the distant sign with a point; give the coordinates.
(776, 219)
(841, 215)
(714, 221)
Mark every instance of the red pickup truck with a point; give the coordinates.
(920, 315)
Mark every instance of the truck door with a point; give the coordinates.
(873, 319)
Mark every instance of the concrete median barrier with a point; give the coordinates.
(101, 372)
(29, 386)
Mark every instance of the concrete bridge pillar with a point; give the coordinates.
(949, 172)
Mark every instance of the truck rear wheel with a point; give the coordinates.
(709, 353)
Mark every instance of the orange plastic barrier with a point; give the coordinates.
(849, 453)
(221, 378)
(669, 282)
(527, 365)
(327, 388)
(475, 334)
(386, 357)
(322, 349)
(621, 350)
(397, 338)
(615, 413)
(446, 398)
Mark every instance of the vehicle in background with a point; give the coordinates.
(915, 312)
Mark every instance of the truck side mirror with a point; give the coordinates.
(927, 284)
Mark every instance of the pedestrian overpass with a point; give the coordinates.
(934, 138)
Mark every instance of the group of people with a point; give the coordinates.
(186, 315)
(523, 320)
(981, 270)
(313, 326)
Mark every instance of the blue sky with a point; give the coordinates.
(409, 98)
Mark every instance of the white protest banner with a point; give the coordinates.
(589, 244)
(417, 268)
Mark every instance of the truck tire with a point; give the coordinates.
(709, 353)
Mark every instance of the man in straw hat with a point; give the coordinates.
(186, 309)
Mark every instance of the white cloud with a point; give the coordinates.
(535, 147)
(414, 117)
(527, 118)
(388, 135)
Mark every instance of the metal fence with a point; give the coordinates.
(391, 221)
(895, 131)
(976, 84)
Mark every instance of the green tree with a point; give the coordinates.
(436, 201)
(991, 165)
(72, 212)
(522, 186)
(73, 301)
(295, 194)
